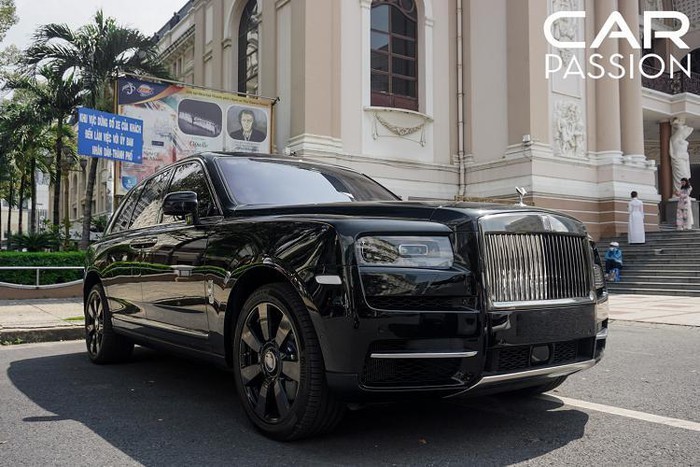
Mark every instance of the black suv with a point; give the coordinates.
(319, 287)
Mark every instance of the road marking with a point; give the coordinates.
(647, 417)
(636, 353)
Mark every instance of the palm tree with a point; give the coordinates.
(25, 136)
(58, 94)
(98, 52)
(6, 176)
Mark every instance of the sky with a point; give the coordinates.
(148, 16)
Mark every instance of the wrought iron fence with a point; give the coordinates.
(676, 84)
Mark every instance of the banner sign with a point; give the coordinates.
(180, 120)
(109, 136)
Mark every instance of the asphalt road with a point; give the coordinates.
(58, 409)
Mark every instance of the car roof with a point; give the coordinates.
(211, 155)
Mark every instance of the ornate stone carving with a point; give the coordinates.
(565, 29)
(398, 122)
(678, 149)
(569, 133)
(399, 130)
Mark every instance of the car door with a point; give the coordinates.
(119, 262)
(176, 300)
(139, 238)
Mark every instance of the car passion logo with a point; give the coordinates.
(615, 27)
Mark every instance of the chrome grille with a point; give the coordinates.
(529, 267)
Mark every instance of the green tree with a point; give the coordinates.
(98, 52)
(7, 16)
(25, 138)
(57, 94)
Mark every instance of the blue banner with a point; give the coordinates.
(109, 136)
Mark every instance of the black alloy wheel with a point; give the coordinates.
(103, 344)
(279, 368)
(94, 323)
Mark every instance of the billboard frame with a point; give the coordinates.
(263, 102)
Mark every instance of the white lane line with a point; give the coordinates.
(647, 417)
(636, 353)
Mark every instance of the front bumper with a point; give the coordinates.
(447, 345)
(522, 379)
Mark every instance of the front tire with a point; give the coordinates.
(103, 344)
(278, 367)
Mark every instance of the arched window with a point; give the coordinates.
(394, 58)
(248, 48)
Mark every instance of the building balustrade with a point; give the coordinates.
(677, 84)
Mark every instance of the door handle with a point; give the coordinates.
(141, 244)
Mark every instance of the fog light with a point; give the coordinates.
(540, 354)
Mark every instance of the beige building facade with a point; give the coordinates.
(72, 202)
(445, 99)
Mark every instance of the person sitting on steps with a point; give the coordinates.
(613, 262)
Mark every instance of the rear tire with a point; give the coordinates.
(278, 367)
(103, 344)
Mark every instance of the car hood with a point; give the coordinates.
(456, 215)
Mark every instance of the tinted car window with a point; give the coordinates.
(150, 205)
(260, 181)
(121, 222)
(191, 177)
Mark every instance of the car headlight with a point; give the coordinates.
(598, 276)
(405, 251)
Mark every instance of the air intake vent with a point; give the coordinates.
(530, 267)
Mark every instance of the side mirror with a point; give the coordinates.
(181, 203)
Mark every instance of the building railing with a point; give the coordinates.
(677, 84)
(38, 274)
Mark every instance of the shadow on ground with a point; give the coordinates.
(162, 410)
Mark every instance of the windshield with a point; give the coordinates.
(265, 181)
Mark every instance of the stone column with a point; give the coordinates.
(199, 34)
(217, 57)
(632, 131)
(665, 176)
(315, 99)
(607, 90)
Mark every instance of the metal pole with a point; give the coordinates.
(462, 187)
(38, 270)
(66, 206)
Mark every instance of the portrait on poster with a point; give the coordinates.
(247, 123)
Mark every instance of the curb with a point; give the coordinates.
(30, 336)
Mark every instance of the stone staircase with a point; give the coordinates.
(667, 264)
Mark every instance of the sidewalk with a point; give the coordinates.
(62, 319)
(41, 320)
